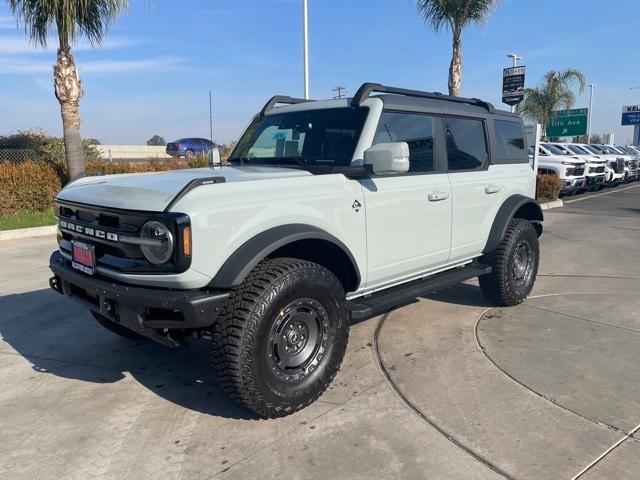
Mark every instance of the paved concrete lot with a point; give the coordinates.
(446, 387)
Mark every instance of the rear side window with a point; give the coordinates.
(417, 130)
(510, 141)
(466, 143)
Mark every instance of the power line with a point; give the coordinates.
(340, 92)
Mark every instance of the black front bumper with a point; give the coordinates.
(143, 310)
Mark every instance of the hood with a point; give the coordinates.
(154, 191)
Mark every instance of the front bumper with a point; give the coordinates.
(595, 180)
(143, 310)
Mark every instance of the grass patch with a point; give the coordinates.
(27, 219)
(544, 199)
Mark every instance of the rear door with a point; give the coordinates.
(408, 215)
(477, 193)
(480, 182)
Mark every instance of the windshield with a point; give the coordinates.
(554, 150)
(577, 150)
(326, 137)
(593, 149)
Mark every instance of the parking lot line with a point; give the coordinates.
(601, 194)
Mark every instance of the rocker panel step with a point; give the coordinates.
(383, 301)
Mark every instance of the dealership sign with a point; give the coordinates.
(568, 123)
(513, 85)
(631, 115)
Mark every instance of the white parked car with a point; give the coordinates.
(328, 211)
(596, 168)
(615, 161)
(569, 169)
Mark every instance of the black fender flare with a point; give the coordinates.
(253, 251)
(506, 212)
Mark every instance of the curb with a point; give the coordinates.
(28, 232)
(554, 204)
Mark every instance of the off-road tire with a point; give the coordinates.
(115, 328)
(502, 285)
(242, 352)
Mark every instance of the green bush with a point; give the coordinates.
(548, 187)
(47, 149)
(27, 187)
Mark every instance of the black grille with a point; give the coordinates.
(577, 171)
(116, 255)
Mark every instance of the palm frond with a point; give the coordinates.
(455, 14)
(69, 18)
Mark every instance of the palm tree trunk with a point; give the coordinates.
(455, 68)
(68, 92)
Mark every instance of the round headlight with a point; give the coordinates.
(162, 251)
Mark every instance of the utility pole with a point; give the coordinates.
(210, 117)
(514, 57)
(305, 36)
(339, 92)
(590, 113)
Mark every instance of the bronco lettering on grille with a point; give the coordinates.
(89, 231)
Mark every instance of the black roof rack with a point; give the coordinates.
(368, 88)
(273, 101)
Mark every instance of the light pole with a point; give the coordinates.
(590, 113)
(515, 57)
(305, 35)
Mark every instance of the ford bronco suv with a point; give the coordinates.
(326, 212)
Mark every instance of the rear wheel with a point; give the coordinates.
(115, 328)
(515, 265)
(281, 339)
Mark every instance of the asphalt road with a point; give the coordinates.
(446, 387)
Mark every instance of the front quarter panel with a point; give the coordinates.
(225, 216)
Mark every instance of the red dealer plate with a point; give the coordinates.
(83, 257)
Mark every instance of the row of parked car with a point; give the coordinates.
(583, 167)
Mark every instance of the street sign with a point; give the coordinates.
(631, 115)
(568, 123)
(513, 85)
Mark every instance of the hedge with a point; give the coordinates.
(548, 187)
(27, 186)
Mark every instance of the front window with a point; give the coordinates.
(313, 138)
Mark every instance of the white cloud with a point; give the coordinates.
(7, 22)
(96, 67)
(19, 45)
(143, 65)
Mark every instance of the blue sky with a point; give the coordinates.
(160, 59)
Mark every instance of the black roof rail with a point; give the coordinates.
(368, 88)
(273, 101)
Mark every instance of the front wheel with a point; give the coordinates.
(281, 339)
(515, 265)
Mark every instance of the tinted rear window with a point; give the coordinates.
(511, 145)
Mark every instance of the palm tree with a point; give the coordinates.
(455, 15)
(554, 93)
(70, 18)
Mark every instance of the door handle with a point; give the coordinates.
(438, 196)
(489, 189)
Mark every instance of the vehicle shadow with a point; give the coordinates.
(59, 337)
(462, 294)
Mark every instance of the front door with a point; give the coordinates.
(408, 215)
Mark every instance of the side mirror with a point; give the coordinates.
(388, 157)
(214, 156)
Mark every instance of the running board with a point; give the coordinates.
(383, 301)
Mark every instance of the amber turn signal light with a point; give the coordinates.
(186, 241)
